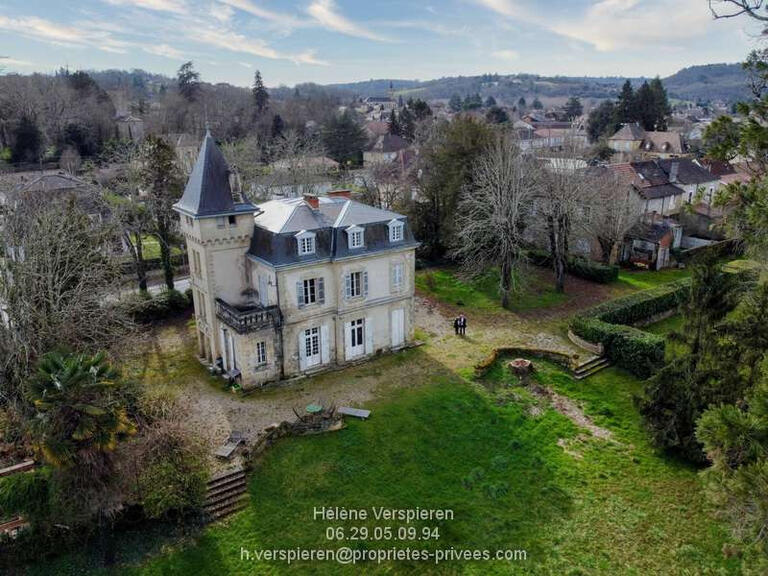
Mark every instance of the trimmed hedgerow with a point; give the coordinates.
(609, 323)
(577, 266)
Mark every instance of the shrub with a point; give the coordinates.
(609, 323)
(145, 308)
(579, 267)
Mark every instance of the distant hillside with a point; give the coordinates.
(726, 82)
(709, 82)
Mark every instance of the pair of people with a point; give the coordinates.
(460, 325)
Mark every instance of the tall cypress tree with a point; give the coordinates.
(626, 105)
(260, 94)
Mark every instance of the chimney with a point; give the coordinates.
(340, 194)
(673, 170)
(312, 200)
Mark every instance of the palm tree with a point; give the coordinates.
(79, 413)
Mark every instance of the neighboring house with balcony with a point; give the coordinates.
(293, 286)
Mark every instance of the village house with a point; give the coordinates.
(631, 139)
(292, 286)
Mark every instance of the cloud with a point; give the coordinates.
(283, 20)
(325, 12)
(14, 62)
(87, 35)
(164, 50)
(232, 41)
(508, 55)
(177, 6)
(222, 12)
(610, 25)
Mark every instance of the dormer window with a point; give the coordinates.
(355, 237)
(306, 242)
(396, 230)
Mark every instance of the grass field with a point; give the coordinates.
(483, 293)
(488, 450)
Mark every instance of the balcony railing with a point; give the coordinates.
(244, 319)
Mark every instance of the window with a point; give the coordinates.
(221, 222)
(197, 267)
(355, 237)
(232, 220)
(306, 243)
(357, 333)
(356, 284)
(261, 353)
(397, 275)
(310, 291)
(396, 231)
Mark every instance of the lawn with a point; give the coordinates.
(482, 293)
(644, 279)
(488, 450)
(151, 247)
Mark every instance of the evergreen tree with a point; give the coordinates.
(602, 121)
(344, 139)
(455, 104)
(537, 105)
(521, 103)
(496, 115)
(188, 81)
(660, 104)
(260, 94)
(27, 141)
(490, 102)
(393, 126)
(407, 123)
(573, 108)
(420, 108)
(277, 126)
(626, 106)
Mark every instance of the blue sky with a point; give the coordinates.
(326, 41)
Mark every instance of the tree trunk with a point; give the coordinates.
(606, 249)
(165, 254)
(506, 281)
(556, 249)
(141, 267)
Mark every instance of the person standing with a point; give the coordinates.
(462, 325)
(456, 325)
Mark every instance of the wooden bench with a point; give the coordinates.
(16, 468)
(356, 412)
(226, 451)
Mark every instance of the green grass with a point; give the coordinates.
(611, 507)
(482, 293)
(644, 279)
(151, 247)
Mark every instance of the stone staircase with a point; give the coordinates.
(226, 493)
(590, 366)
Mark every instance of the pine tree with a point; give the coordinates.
(521, 103)
(393, 125)
(260, 94)
(573, 108)
(455, 103)
(188, 81)
(626, 106)
(537, 105)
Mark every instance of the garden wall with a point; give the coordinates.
(565, 360)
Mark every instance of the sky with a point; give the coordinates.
(329, 41)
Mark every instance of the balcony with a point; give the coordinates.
(244, 319)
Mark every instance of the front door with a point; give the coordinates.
(355, 338)
(312, 353)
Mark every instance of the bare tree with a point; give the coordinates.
(56, 268)
(493, 212)
(734, 8)
(617, 209)
(563, 195)
(387, 185)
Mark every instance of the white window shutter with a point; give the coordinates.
(348, 286)
(368, 335)
(347, 340)
(300, 293)
(325, 344)
(302, 352)
(321, 290)
(365, 284)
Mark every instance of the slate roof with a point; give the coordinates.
(208, 192)
(688, 172)
(388, 143)
(661, 191)
(667, 142)
(52, 183)
(279, 221)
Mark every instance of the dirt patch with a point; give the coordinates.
(580, 294)
(572, 411)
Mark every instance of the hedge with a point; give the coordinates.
(146, 308)
(577, 266)
(609, 323)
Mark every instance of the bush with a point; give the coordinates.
(579, 267)
(610, 324)
(145, 308)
